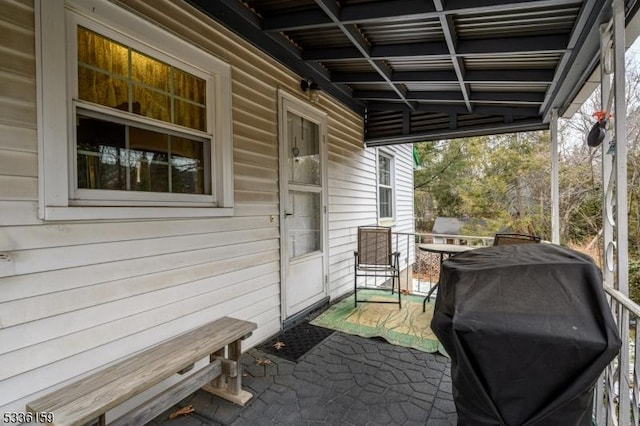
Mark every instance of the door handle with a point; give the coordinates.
(288, 214)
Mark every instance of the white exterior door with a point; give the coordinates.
(302, 131)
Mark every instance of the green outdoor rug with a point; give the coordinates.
(409, 326)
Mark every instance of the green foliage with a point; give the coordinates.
(503, 180)
(634, 278)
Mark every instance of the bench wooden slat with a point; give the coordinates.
(144, 413)
(84, 400)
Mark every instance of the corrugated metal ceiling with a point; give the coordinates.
(431, 69)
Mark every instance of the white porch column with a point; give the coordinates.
(617, 248)
(620, 160)
(555, 185)
(608, 220)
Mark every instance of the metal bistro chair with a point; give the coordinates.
(505, 239)
(375, 258)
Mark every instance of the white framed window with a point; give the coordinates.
(386, 192)
(133, 121)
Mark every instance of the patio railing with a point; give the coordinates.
(423, 268)
(617, 392)
(617, 399)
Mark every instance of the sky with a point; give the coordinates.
(634, 49)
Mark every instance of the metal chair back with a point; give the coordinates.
(374, 246)
(505, 239)
(376, 259)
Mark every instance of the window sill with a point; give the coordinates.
(124, 213)
(387, 222)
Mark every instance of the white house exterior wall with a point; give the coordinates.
(78, 295)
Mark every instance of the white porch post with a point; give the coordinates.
(555, 185)
(614, 153)
(620, 160)
(608, 220)
(621, 228)
(615, 226)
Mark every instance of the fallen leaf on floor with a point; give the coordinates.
(263, 361)
(278, 345)
(182, 412)
(405, 292)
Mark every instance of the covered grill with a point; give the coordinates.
(529, 332)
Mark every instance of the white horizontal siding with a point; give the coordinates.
(75, 296)
(352, 196)
(403, 221)
(17, 68)
(18, 157)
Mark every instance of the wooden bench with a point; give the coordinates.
(89, 398)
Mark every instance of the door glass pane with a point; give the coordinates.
(303, 150)
(304, 224)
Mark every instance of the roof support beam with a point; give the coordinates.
(495, 129)
(434, 50)
(524, 111)
(471, 76)
(399, 10)
(589, 15)
(332, 10)
(446, 22)
(534, 97)
(239, 19)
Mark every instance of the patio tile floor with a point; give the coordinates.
(346, 380)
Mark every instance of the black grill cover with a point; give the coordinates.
(528, 330)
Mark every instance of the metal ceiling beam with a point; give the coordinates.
(511, 45)
(576, 51)
(524, 111)
(235, 16)
(448, 29)
(376, 94)
(536, 97)
(460, 132)
(435, 50)
(332, 10)
(449, 96)
(478, 76)
(443, 109)
(399, 10)
(498, 6)
(592, 14)
(510, 76)
(395, 77)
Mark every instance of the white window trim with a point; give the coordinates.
(54, 114)
(392, 186)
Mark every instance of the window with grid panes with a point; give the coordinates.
(159, 143)
(385, 186)
(149, 118)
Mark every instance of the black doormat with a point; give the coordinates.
(293, 343)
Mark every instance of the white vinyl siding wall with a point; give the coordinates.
(18, 138)
(77, 295)
(403, 221)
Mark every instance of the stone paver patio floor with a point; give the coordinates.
(346, 380)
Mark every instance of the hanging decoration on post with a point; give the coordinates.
(598, 131)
